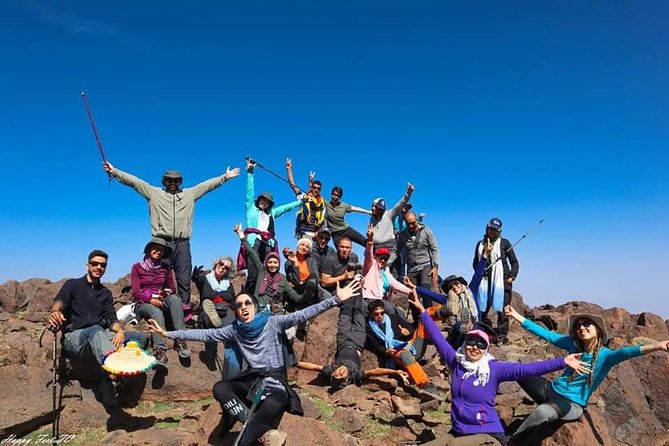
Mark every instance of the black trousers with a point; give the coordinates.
(180, 261)
(236, 401)
(351, 233)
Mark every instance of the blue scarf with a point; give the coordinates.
(388, 337)
(251, 330)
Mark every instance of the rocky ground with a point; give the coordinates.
(630, 408)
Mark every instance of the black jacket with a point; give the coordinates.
(508, 260)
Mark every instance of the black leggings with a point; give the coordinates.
(235, 402)
(351, 233)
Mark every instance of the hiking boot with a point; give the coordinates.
(161, 358)
(182, 349)
(108, 392)
(273, 437)
(501, 341)
(210, 310)
(430, 392)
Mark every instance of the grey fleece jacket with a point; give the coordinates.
(265, 351)
(171, 214)
(421, 248)
(384, 233)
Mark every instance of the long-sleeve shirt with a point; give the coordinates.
(171, 214)
(473, 408)
(508, 259)
(373, 288)
(265, 351)
(86, 304)
(384, 233)
(578, 390)
(145, 284)
(253, 214)
(420, 248)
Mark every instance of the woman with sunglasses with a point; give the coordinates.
(476, 376)
(567, 396)
(257, 335)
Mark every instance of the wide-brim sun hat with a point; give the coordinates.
(445, 284)
(160, 242)
(597, 320)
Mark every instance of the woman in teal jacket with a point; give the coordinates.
(567, 396)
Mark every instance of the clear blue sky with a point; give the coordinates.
(522, 110)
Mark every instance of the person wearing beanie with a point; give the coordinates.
(496, 286)
(171, 211)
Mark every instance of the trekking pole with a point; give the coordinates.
(257, 397)
(248, 158)
(54, 422)
(534, 228)
(95, 131)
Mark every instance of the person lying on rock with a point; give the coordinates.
(85, 309)
(567, 396)
(258, 336)
(458, 301)
(475, 376)
(217, 302)
(155, 296)
(351, 336)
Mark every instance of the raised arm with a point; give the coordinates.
(559, 340)
(207, 186)
(361, 210)
(291, 179)
(443, 347)
(369, 250)
(250, 253)
(404, 200)
(250, 188)
(141, 186)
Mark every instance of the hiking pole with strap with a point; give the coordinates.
(534, 228)
(95, 131)
(257, 397)
(248, 158)
(54, 421)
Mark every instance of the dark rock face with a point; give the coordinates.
(630, 407)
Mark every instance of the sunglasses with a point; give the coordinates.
(246, 303)
(585, 323)
(476, 342)
(222, 265)
(173, 180)
(101, 264)
(384, 257)
(412, 223)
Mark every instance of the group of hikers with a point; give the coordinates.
(257, 322)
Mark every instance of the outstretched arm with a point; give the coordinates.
(404, 376)
(207, 186)
(141, 186)
(557, 339)
(309, 366)
(404, 200)
(361, 210)
(662, 346)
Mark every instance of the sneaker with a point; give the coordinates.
(273, 437)
(210, 310)
(182, 349)
(161, 358)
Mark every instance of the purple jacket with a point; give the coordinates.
(147, 283)
(473, 409)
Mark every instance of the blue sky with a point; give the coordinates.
(522, 110)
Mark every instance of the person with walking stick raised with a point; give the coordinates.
(171, 211)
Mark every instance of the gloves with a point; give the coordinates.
(197, 272)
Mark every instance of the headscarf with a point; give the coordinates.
(481, 368)
(251, 330)
(270, 279)
(148, 264)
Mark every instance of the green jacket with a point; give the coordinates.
(171, 214)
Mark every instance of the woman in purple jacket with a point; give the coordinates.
(154, 292)
(475, 378)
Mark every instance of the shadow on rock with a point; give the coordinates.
(119, 419)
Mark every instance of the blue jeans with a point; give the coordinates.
(172, 308)
(95, 342)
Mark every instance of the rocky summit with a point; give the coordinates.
(631, 407)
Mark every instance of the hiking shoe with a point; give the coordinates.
(161, 358)
(210, 310)
(182, 349)
(501, 341)
(273, 437)
(430, 392)
(108, 392)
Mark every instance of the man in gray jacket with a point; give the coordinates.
(419, 246)
(171, 211)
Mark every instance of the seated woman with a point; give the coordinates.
(257, 335)
(476, 375)
(217, 301)
(567, 396)
(153, 290)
